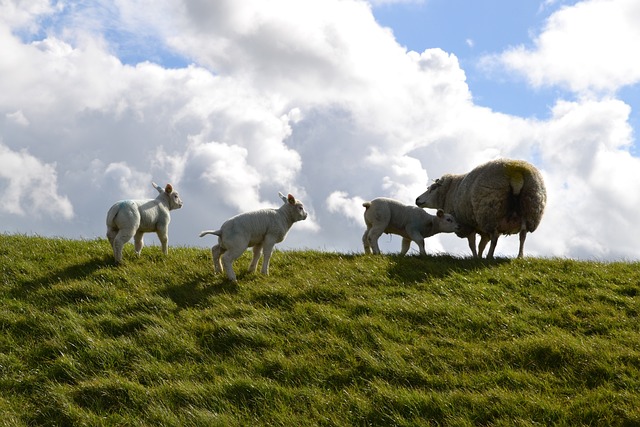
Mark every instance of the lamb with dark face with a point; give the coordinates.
(499, 197)
(133, 218)
(383, 215)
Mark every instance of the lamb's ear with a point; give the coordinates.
(168, 189)
(157, 187)
(284, 199)
(291, 199)
(440, 213)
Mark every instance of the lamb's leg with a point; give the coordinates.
(365, 242)
(139, 243)
(216, 251)
(406, 244)
(257, 251)
(111, 235)
(418, 238)
(267, 250)
(121, 238)
(163, 236)
(230, 255)
(374, 235)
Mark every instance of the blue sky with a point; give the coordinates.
(471, 30)
(234, 100)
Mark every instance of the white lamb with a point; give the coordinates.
(383, 215)
(133, 218)
(260, 229)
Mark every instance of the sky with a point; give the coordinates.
(334, 101)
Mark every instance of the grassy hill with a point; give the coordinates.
(327, 339)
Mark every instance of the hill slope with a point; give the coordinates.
(326, 339)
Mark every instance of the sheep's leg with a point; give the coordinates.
(523, 236)
(257, 252)
(139, 242)
(494, 242)
(267, 250)
(472, 244)
(121, 238)
(365, 242)
(216, 251)
(484, 239)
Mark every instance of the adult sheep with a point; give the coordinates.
(260, 229)
(499, 197)
(133, 218)
(384, 215)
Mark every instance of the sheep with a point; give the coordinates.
(502, 196)
(383, 215)
(133, 218)
(260, 229)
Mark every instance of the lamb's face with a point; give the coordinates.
(174, 200)
(300, 213)
(446, 222)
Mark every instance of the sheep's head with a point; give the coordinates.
(435, 194)
(296, 206)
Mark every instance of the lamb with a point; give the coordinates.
(499, 197)
(133, 218)
(260, 229)
(384, 215)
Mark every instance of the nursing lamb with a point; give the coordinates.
(133, 218)
(383, 215)
(260, 229)
(499, 197)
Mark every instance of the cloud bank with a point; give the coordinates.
(309, 97)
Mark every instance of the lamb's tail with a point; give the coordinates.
(216, 232)
(367, 205)
(114, 210)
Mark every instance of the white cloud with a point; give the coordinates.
(18, 118)
(340, 202)
(302, 96)
(589, 47)
(31, 188)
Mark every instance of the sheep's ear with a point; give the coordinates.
(440, 213)
(157, 187)
(284, 199)
(168, 189)
(291, 199)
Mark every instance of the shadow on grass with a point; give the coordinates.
(420, 268)
(197, 291)
(71, 272)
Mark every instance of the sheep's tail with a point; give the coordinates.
(216, 232)
(515, 172)
(367, 205)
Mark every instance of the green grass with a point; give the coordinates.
(326, 340)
